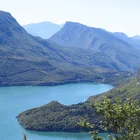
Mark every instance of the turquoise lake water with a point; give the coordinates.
(14, 100)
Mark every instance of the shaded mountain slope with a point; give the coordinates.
(57, 117)
(136, 37)
(134, 41)
(29, 60)
(75, 35)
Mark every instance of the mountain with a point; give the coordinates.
(134, 41)
(75, 35)
(137, 37)
(29, 60)
(138, 78)
(57, 117)
(43, 29)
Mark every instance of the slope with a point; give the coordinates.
(75, 35)
(130, 89)
(29, 60)
(134, 41)
(57, 117)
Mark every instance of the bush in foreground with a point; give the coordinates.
(120, 119)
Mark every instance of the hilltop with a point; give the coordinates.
(43, 29)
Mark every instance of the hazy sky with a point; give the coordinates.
(112, 15)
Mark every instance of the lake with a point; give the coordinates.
(14, 100)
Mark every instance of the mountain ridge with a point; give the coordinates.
(42, 29)
(29, 60)
(131, 40)
(76, 35)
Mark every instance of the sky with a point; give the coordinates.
(112, 15)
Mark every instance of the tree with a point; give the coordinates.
(120, 119)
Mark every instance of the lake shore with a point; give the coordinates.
(16, 99)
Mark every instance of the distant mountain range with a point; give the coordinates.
(125, 55)
(47, 29)
(137, 37)
(29, 60)
(43, 29)
(134, 41)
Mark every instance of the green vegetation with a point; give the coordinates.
(130, 89)
(57, 117)
(120, 119)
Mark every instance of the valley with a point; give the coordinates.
(29, 60)
(63, 69)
